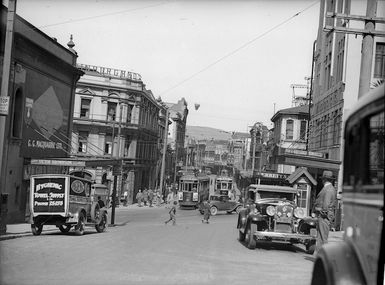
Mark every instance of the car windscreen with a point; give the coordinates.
(278, 195)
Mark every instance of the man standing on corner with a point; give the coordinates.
(324, 208)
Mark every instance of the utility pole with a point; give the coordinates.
(367, 50)
(4, 106)
(165, 136)
(368, 34)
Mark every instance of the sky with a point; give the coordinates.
(236, 58)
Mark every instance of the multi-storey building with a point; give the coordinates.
(176, 134)
(337, 65)
(115, 117)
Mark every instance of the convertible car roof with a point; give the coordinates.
(271, 188)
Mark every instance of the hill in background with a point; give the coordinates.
(207, 133)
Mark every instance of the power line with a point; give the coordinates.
(104, 15)
(237, 49)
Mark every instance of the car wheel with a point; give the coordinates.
(36, 229)
(213, 210)
(319, 273)
(64, 228)
(241, 236)
(101, 227)
(79, 228)
(238, 209)
(250, 241)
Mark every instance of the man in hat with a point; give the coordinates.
(324, 208)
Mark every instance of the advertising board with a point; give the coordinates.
(46, 116)
(48, 194)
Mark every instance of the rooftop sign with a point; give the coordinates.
(111, 72)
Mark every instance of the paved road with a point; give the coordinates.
(142, 250)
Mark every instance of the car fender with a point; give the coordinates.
(340, 264)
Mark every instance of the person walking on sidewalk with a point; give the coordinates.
(139, 197)
(206, 212)
(324, 208)
(172, 213)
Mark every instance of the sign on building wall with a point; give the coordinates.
(46, 116)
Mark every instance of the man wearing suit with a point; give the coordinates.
(324, 207)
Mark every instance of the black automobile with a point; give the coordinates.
(273, 215)
(222, 203)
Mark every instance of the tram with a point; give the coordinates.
(193, 189)
(224, 184)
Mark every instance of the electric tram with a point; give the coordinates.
(193, 189)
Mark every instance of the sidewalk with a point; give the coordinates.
(24, 229)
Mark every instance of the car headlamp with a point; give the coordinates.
(299, 213)
(270, 210)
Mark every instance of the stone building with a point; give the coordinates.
(178, 113)
(116, 117)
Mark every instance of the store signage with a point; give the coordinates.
(111, 72)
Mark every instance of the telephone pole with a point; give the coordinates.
(368, 34)
(164, 152)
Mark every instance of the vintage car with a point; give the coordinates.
(67, 202)
(222, 203)
(273, 215)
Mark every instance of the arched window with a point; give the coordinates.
(17, 119)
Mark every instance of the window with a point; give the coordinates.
(82, 142)
(379, 62)
(302, 131)
(85, 108)
(129, 113)
(17, 122)
(111, 111)
(108, 144)
(289, 129)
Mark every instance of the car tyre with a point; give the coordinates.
(102, 226)
(64, 228)
(213, 210)
(79, 228)
(250, 241)
(36, 229)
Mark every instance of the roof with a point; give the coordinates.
(271, 188)
(298, 110)
(300, 172)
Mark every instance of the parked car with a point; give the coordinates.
(222, 203)
(359, 258)
(273, 215)
(67, 202)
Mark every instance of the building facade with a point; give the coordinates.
(337, 63)
(289, 135)
(39, 120)
(116, 117)
(178, 113)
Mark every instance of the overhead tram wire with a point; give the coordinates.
(105, 15)
(236, 50)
